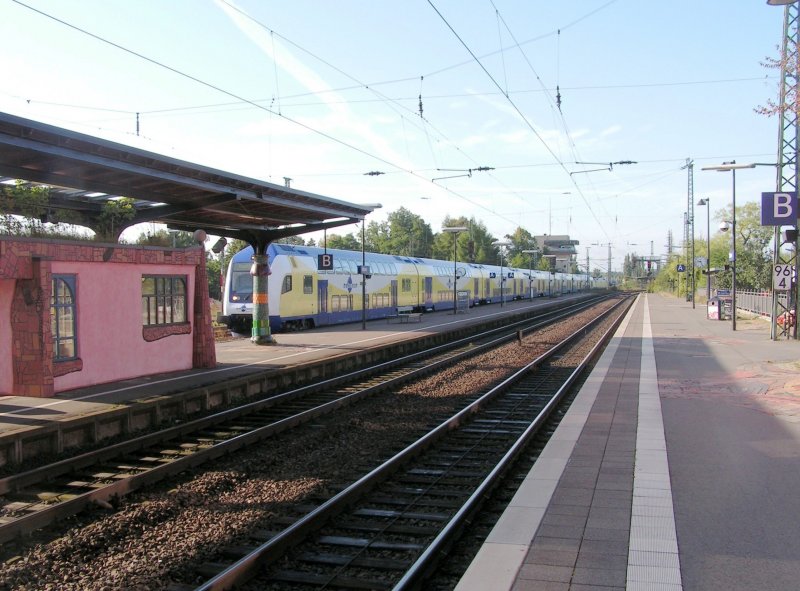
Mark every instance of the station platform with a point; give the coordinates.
(35, 426)
(677, 467)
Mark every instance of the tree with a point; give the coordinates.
(166, 238)
(521, 240)
(753, 255)
(295, 240)
(376, 238)
(114, 217)
(24, 211)
(786, 62)
(346, 242)
(474, 245)
(215, 276)
(403, 233)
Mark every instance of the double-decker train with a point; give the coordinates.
(302, 296)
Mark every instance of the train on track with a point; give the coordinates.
(303, 293)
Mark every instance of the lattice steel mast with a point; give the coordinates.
(787, 173)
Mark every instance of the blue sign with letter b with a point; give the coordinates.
(779, 209)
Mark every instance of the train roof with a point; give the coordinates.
(355, 255)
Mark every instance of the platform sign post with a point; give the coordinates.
(780, 209)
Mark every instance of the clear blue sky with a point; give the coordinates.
(323, 92)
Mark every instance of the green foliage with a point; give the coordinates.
(474, 245)
(403, 233)
(521, 240)
(296, 240)
(166, 239)
(214, 272)
(346, 242)
(24, 211)
(753, 256)
(114, 218)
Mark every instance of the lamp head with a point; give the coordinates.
(199, 236)
(219, 245)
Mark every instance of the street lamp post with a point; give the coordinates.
(501, 246)
(454, 230)
(707, 202)
(733, 167)
(531, 252)
(363, 270)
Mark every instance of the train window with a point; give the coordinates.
(243, 283)
(308, 284)
(286, 287)
(353, 267)
(406, 285)
(62, 317)
(163, 299)
(393, 268)
(341, 303)
(337, 265)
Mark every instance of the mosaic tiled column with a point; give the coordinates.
(260, 273)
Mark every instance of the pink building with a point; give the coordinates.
(75, 314)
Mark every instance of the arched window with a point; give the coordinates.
(62, 318)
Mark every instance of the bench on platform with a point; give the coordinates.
(405, 314)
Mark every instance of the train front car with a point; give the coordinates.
(237, 297)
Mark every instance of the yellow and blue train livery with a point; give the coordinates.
(303, 296)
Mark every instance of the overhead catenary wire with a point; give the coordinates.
(242, 99)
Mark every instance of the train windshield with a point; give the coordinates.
(241, 283)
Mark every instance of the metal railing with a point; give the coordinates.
(758, 302)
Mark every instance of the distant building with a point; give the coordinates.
(561, 247)
(76, 314)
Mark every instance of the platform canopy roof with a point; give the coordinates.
(84, 171)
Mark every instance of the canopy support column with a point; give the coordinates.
(260, 272)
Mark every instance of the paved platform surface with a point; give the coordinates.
(677, 467)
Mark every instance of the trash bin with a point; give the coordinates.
(725, 308)
(714, 309)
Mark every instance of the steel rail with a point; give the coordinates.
(431, 555)
(72, 503)
(248, 566)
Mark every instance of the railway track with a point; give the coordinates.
(388, 529)
(32, 500)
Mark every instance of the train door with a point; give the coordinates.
(475, 294)
(323, 317)
(428, 293)
(393, 293)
